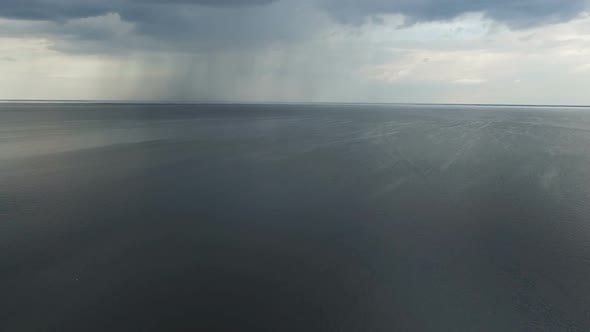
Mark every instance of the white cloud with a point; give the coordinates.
(470, 81)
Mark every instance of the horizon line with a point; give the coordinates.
(170, 102)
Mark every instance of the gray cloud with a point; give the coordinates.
(52, 9)
(515, 13)
(212, 3)
(194, 25)
(177, 25)
(64, 9)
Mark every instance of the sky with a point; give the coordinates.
(425, 51)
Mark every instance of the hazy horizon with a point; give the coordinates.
(181, 102)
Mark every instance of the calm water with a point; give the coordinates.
(294, 218)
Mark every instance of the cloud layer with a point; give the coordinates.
(192, 25)
(296, 50)
(516, 13)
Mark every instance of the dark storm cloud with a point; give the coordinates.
(213, 24)
(64, 9)
(180, 24)
(213, 3)
(51, 9)
(516, 13)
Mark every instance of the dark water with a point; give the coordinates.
(294, 218)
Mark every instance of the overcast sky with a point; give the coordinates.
(441, 51)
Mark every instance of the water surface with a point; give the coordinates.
(294, 218)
